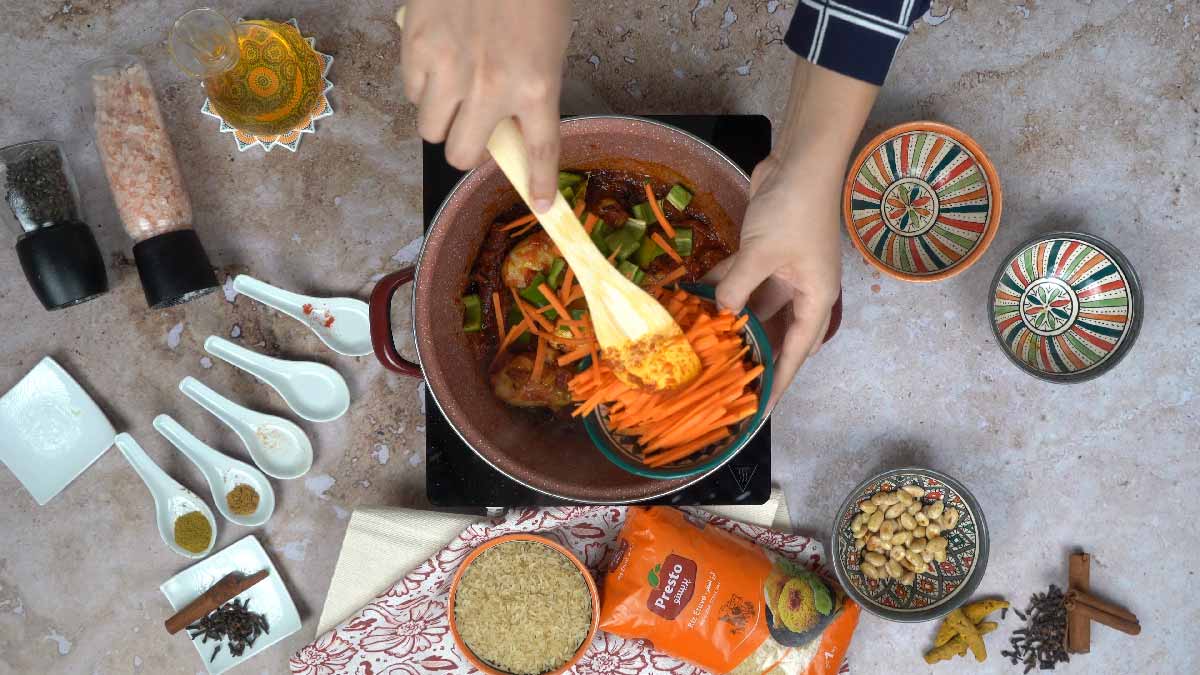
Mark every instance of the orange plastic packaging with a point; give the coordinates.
(716, 600)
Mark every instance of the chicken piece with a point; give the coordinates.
(611, 212)
(513, 383)
(529, 258)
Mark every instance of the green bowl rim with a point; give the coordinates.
(759, 335)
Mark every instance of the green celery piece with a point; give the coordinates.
(578, 314)
(568, 193)
(628, 269)
(679, 197)
(580, 194)
(598, 233)
(627, 240)
(532, 294)
(643, 212)
(646, 253)
(636, 225)
(472, 313)
(638, 277)
(683, 241)
(556, 273)
(568, 179)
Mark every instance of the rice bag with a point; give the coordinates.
(718, 601)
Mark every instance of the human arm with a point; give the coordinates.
(467, 65)
(790, 252)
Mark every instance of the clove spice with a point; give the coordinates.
(234, 623)
(1041, 643)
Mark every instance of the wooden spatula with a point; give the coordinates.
(639, 338)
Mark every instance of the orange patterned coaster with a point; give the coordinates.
(290, 140)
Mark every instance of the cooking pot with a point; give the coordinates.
(552, 457)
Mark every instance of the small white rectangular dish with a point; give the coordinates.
(52, 430)
(268, 597)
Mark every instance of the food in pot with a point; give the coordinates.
(901, 533)
(523, 607)
(529, 325)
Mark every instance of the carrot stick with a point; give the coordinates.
(579, 208)
(687, 449)
(667, 248)
(568, 279)
(515, 333)
(522, 231)
(576, 293)
(662, 220)
(571, 357)
(523, 220)
(539, 360)
(737, 325)
(530, 314)
(553, 300)
(589, 223)
(673, 275)
(500, 332)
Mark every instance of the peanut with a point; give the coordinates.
(870, 571)
(914, 508)
(874, 543)
(922, 519)
(917, 545)
(877, 499)
(934, 510)
(901, 538)
(919, 532)
(907, 522)
(887, 529)
(894, 511)
(932, 530)
(867, 506)
(905, 498)
(917, 561)
(949, 518)
(859, 543)
(914, 490)
(875, 559)
(908, 579)
(875, 521)
(888, 498)
(911, 566)
(894, 569)
(897, 553)
(939, 556)
(927, 555)
(936, 544)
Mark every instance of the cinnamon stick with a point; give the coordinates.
(1102, 605)
(229, 587)
(1079, 629)
(1091, 613)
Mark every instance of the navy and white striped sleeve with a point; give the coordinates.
(858, 38)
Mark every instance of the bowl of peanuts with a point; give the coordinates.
(910, 544)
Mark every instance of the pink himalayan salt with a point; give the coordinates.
(138, 158)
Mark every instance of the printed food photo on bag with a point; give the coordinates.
(720, 601)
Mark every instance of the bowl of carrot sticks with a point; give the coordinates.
(699, 427)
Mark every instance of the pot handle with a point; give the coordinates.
(381, 323)
(835, 319)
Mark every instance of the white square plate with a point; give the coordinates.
(51, 429)
(268, 597)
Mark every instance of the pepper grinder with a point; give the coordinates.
(57, 250)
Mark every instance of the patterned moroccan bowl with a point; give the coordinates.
(1065, 307)
(943, 586)
(922, 201)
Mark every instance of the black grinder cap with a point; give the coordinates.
(63, 264)
(174, 268)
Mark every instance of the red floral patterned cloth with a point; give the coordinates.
(404, 631)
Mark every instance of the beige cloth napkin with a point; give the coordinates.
(383, 544)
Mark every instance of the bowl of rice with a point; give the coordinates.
(523, 605)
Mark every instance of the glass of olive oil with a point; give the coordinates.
(261, 76)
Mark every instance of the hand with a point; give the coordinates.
(790, 254)
(469, 65)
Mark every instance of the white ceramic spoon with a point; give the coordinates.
(313, 391)
(171, 499)
(278, 447)
(222, 472)
(343, 324)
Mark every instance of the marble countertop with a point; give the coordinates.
(1090, 111)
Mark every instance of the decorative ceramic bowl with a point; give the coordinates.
(922, 201)
(942, 586)
(478, 663)
(622, 450)
(1065, 307)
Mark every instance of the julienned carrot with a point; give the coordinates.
(553, 300)
(514, 333)
(579, 208)
(662, 220)
(530, 314)
(500, 332)
(568, 279)
(590, 222)
(687, 449)
(570, 357)
(523, 220)
(576, 293)
(669, 249)
(522, 231)
(539, 359)
(673, 275)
